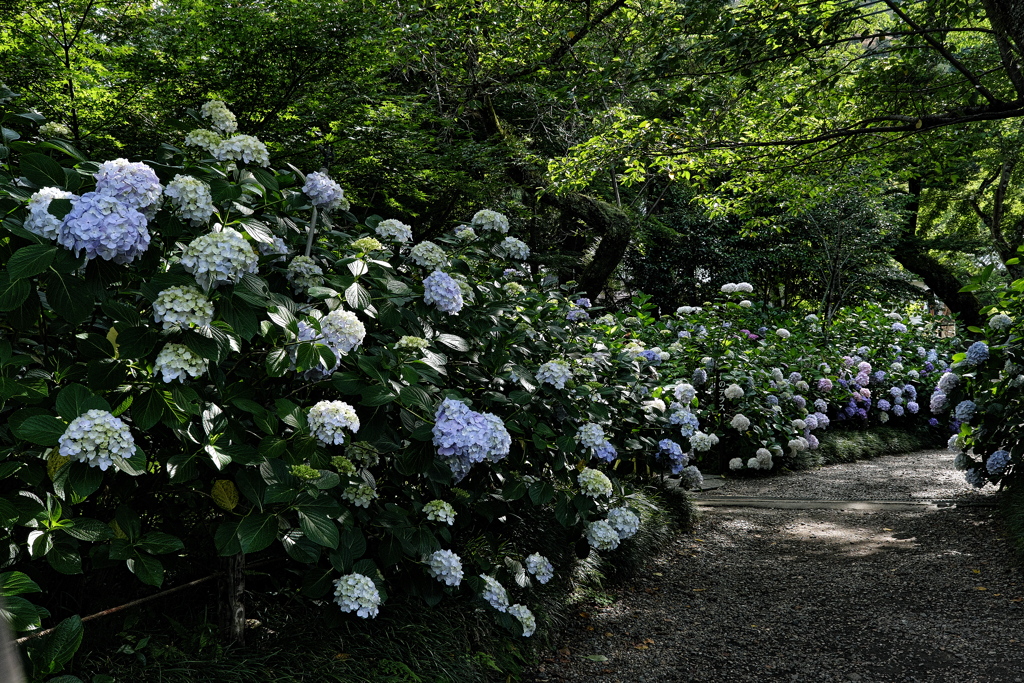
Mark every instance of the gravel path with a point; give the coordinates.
(816, 595)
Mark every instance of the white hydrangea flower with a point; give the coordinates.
(745, 287)
(754, 464)
(221, 117)
(516, 249)
(96, 437)
(764, 458)
(734, 391)
(494, 593)
(799, 424)
(342, 330)
(1000, 321)
(728, 288)
(684, 393)
(740, 422)
(445, 566)
(203, 139)
(690, 478)
(783, 333)
(219, 257)
(182, 305)
(428, 255)
(191, 199)
(357, 593)
(243, 148)
(799, 444)
(329, 419)
(440, 511)
(746, 303)
(624, 521)
(465, 233)
(556, 373)
(394, 230)
(736, 464)
(40, 221)
(178, 362)
(525, 617)
(304, 273)
(324, 193)
(514, 289)
(883, 418)
(490, 220)
(590, 435)
(894, 316)
(602, 536)
(54, 129)
(703, 442)
(360, 495)
(540, 567)
(594, 483)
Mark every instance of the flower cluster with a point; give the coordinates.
(998, 462)
(428, 255)
(445, 566)
(1000, 321)
(342, 331)
(556, 373)
(243, 148)
(97, 437)
(182, 305)
(324, 193)
(191, 199)
(703, 442)
(439, 511)
(329, 419)
(40, 221)
(494, 593)
(691, 478)
(624, 521)
(367, 244)
(526, 619)
(394, 230)
(218, 258)
(592, 436)
(594, 483)
(602, 536)
(221, 117)
(203, 139)
(977, 353)
(412, 343)
(104, 226)
(464, 437)
(465, 233)
(490, 220)
(357, 593)
(673, 452)
(740, 422)
(733, 391)
(540, 567)
(178, 362)
(576, 314)
(54, 129)
(132, 183)
(443, 291)
(304, 273)
(965, 410)
(360, 495)
(516, 249)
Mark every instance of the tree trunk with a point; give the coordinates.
(232, 606)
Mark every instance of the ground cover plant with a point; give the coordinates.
(205, 357)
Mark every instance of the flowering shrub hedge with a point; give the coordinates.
(205, 356)
(982, 393)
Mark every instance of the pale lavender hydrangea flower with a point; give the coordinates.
(540, 567)
(494, 593)
(490, 220)
(178, 362)
(324, 193)
(464, 437)
(304, 273)
(191, 199)
(516, 249)
(555, 372)
(602, 536)
(445, 566)
(133, 183)
(102, 225)
(624, 521)
(182, 305)
(394, 230)
(443, 291)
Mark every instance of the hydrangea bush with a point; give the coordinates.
(202, 355)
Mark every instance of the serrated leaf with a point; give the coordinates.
(43, 430)
(225, 494)
(357, 296)
(42, 171)
(318, 527)
(257, 531)
(453, 342)
(75, 399)
(12, 292)
(30, 260)
(149, 569)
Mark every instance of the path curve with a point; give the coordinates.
(816, 595)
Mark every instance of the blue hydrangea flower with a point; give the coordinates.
(912, 407)
(583, 302)
(884, 405)
(464, 437)
(772, 399)
(965, 410)
(897, 410)
(938, 402)
(672, 452)
(899, 327)
(700, 376)
(324, 193)
(576, 314)
(997, 462)
(104, 226)
(134, 184)
(96, 437)
(977, 353)
(800, 402)
(443, 291)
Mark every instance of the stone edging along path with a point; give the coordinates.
(884, 570)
